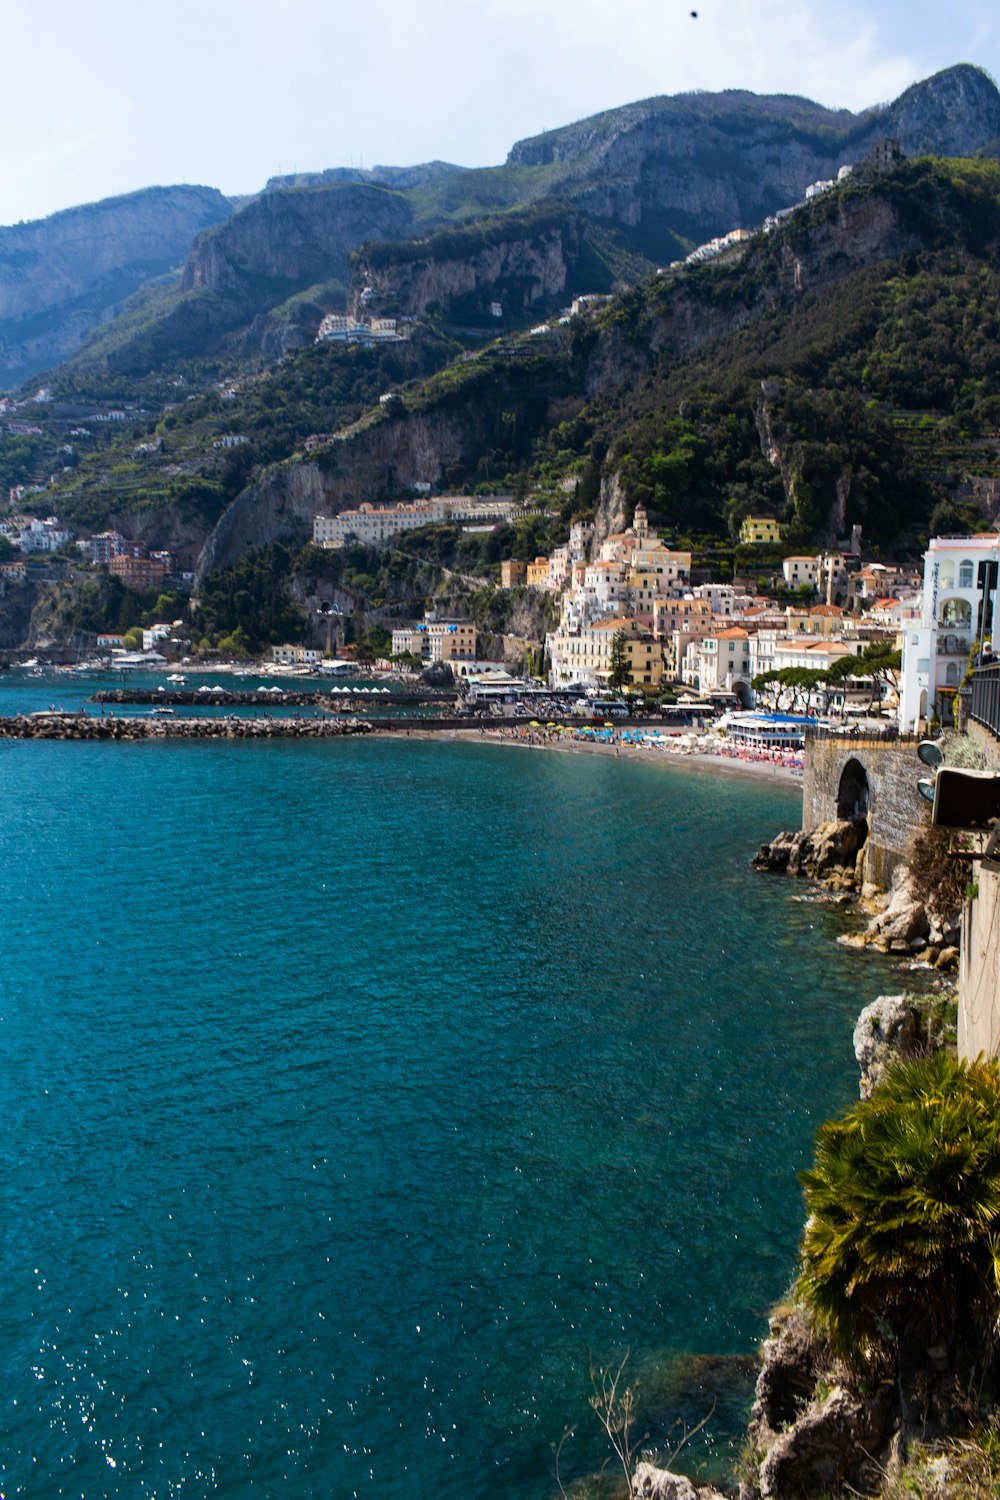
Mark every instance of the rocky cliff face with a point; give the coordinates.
(935, 117)
(389, 452)
(690, 166)
(392, 454)
(283, 240)
(711, 162)
(241, 289)
(517, 271)
(61, 276)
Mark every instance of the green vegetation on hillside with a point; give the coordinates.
(828, 395)
(901, 1251)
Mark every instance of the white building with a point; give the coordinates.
(374, 524)
(43, 536)
(936, 652)
(436, 640)
(722, 598)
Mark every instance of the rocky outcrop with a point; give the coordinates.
(17, 604)
(904, 919)
(886, 1032)
(831, 1444)
(900, 923)
(651, 1483)
(391, 177)
(790, 1366)
(62, 276)
(612, 512)
(829, 853)
(804, 1444)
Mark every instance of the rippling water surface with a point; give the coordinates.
(355, 1095)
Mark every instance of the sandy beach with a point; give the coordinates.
(670, 751)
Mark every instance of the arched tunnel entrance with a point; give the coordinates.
(854, 796)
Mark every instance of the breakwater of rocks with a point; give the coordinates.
(56, 726)
(219, 697)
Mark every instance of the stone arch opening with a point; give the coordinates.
(854, 795)
(956, 612)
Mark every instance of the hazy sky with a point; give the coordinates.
(109, 96)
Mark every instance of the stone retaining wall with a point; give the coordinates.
(896, 809)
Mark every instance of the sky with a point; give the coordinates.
(111, 96)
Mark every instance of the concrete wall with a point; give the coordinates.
(979, 970)
(896, 808)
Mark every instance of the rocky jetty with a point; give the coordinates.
(831, 853)
(56, 726)
(270, 697)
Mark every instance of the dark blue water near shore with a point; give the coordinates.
(354, 1094)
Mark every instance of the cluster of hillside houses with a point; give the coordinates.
(633, 593)
(132, 561)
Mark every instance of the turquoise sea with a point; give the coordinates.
(355, 1095)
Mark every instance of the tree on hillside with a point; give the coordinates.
(901, 1250)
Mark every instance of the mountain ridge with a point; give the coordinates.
(61, 276)
(658, 176)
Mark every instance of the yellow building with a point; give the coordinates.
(538, 573)
(587, 656)
(757, 529)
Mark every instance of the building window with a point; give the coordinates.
(965, 575)
(956, 612)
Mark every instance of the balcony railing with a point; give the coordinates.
(985, 705)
